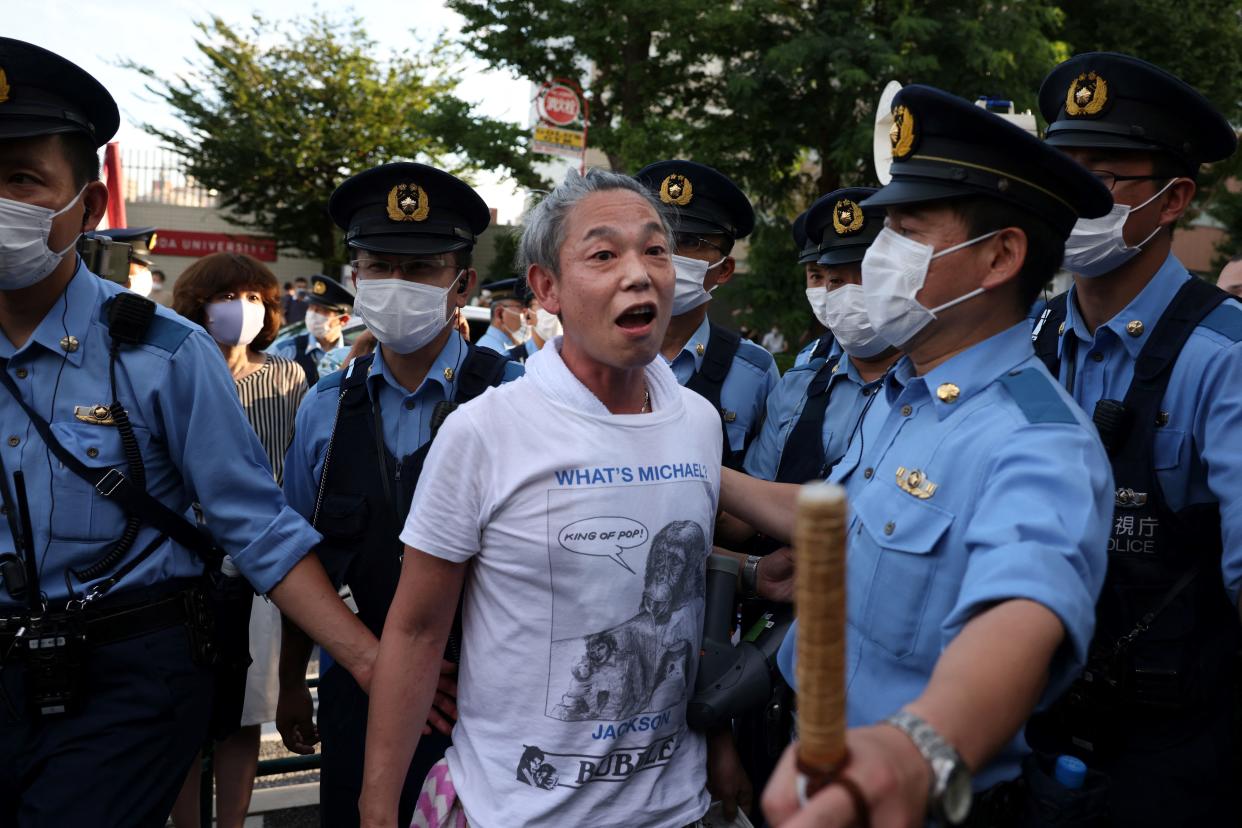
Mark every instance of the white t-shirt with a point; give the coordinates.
(583, 609)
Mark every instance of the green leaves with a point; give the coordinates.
(277, 114)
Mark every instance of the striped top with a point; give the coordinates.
(270, 397)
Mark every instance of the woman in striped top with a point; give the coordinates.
(237, 299)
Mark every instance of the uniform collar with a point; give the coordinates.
(953, 382)
(70, 317)
(696, 345)
(445, 371)
(1140, 316)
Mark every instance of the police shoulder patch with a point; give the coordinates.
(1037, 396)
(1226, 320)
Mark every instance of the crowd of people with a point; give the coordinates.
(1044, 551)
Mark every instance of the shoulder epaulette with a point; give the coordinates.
(754, 354)
(1226, 320)
(1037, 396)
(330, 382)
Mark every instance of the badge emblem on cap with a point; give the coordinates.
(319, 288)
(408, 202)
(901, 133)
(1086, 96)
(4, 87)
(676, 189)
(847, 217)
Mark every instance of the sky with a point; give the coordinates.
(160, 34)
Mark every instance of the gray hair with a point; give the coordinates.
(544, 231)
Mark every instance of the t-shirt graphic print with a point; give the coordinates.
(583, 607)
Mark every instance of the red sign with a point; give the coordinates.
(190, 243)
(559, 105)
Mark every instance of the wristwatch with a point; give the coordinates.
(950, 796)
(750, 577)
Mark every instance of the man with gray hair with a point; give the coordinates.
(581, 623)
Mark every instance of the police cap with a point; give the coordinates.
(41, 93)
(703, 199)
(408, 208)
(1113, 101)
(141, 241)
(840, 228)
(946, 147)
(512, 288)
(329, 294)
(807, 252)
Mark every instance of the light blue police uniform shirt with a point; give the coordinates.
(848, 395)
(496, 339)
(751, 377)
(406, 416)
(1020, 509)
(804, 356)
(289, 349)
(1198, 453)
(196, 443)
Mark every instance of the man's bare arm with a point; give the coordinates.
(768, 507)
(406, 675)
(307, 596)
(983, 688)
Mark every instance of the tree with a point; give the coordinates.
(778, 95)
(277, 115)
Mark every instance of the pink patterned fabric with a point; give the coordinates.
(437, 805)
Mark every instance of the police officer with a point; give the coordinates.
(141, 240)
(508, 327)
(734, 374)
(327, 311)
(1155, 354)
(815, 407)
(362, 435)
(808, 257)
(964, 601)
(117, 416)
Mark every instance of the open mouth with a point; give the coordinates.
(637, 317)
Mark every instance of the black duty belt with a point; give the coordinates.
(107, 626)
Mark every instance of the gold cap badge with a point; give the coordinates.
(902, 133)
(4, 87)
(847, 217)
(1134, 327)
(948, 392)
(676, 189)
(319, 288)
(1086, 96)
(915, 482)
(408, 202)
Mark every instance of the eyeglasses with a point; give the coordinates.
(1110, 179)
(413, 268)
(691, 243)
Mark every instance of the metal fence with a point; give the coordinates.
(157, 176)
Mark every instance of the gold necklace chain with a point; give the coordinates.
(646, 409)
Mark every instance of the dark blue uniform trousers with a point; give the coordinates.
(343, 729)
(120, 760)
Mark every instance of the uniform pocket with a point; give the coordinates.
(899, 533)
(80, 513)
(1167, 448)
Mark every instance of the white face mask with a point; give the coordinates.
(818, 297)
(25, 258)
(547, 326)
(403, 315)
(1098, 246)
(688, 292)
(893, 272)
(322, 326)
(235, 322)
(846, 312)
(140, 282)
(523, 331)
